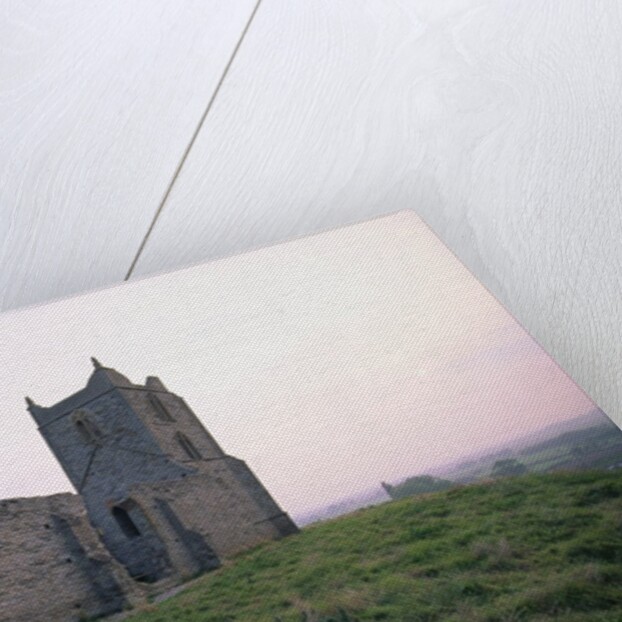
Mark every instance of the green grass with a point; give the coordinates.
(537, 547)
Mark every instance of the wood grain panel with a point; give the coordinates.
(498, 122)
(98, 102)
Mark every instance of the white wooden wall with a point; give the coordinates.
(498, 121)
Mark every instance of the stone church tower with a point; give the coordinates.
(166, 500)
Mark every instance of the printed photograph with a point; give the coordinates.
(345, 427)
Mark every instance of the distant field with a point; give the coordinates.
(599, 446)
(537, 547)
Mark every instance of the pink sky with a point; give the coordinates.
(328, 363)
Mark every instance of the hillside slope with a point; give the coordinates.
(538, 547)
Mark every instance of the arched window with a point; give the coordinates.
(186, 444)
(86, 426)
(161, 411)
(125, 522)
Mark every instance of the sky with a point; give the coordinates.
(329, 363)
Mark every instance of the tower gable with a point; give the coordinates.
(100, 441)
(102, 380)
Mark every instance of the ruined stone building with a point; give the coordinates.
(158, 501)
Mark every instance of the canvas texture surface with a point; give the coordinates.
(343, 427)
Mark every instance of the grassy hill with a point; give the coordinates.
(536, 547)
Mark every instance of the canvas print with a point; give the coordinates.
(344, 427)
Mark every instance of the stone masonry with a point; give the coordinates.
(53, 566)
(158, 502)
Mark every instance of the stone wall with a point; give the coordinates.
(103, 472)
(228, 514)
(53, 565)
(181, 418)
